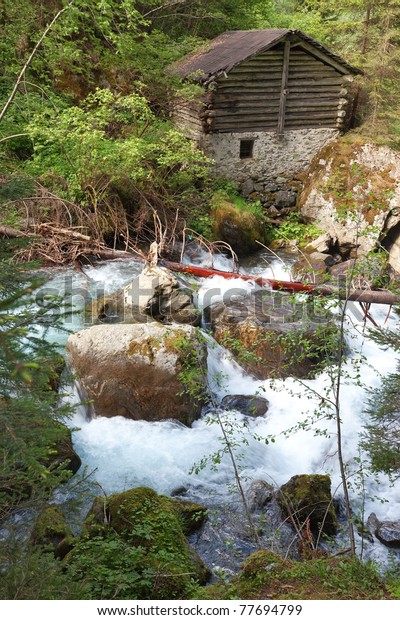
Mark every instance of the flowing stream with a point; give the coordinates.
(125, 453)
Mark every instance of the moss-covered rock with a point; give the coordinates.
(352, 192)
(52, 530)
(270, 336)
(236, 224)
(191, 515)
(308, 497)
(155, 526)
(267, 576)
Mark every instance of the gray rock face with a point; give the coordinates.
(388, 532)
(358, 201)
(133, 370)
(248, 405)
(285, 198)
(157, 293)
(259, 494)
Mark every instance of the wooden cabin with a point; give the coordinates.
(271, 100)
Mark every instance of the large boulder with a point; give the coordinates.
(352, 192)
(308, 497)
(270, 336)
(236, 224)
(141, 371)
(52, 531)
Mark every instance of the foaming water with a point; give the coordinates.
(126, 453)
(77, 289)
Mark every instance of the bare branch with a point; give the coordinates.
(16, 135)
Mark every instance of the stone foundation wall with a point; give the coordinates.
(275, 163)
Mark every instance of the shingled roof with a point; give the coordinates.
(231, 48)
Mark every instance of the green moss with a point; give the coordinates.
(352, 187)
(52, 530)
(308, 497)
(266, 576)
(191, 515)
(192, 363)
(144, 348)
(237, 222)
(154, 526)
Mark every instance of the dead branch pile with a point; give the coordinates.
(61, 231)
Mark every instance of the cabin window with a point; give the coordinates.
(246, 149)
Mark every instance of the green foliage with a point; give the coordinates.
(141, 553)
(109, 568)
(111, 136)
(202, 225)
(192, 365)
(28, 411)
(32, 574)
(266, 576)
(293, 228)
(382, 433)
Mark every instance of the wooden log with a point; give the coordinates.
(106, 253)
(380, 296)
(316, 75)
(283, 91)
(313, 51)
(243, 127)
(55, 230)
(302, 114)
(236, 97)
(248, 108)
(242, 84)
(311, 81)
(310, 104)
(7, 231)
(254, 73)
(268, 113)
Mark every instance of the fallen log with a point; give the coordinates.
(7, 231)
(378, 296)
(64, 231)
(105, 253)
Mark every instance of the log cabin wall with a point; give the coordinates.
(250, 96)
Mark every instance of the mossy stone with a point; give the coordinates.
(260, 562)
(238, 227)
(52, 530)
(191, 515)
(156, 525)
(308, 496)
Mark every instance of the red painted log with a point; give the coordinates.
(204, 272)
(361, 295)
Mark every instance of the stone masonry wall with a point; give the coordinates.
(270, 175)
